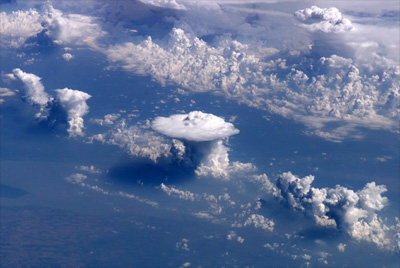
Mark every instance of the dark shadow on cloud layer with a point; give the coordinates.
(327, 44)
(131, 14)
(174, 169)
(319, 232)
(40, 42)
(137, 170)
(57, 120)
(11, 192)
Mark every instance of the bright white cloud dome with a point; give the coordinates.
(195, 126)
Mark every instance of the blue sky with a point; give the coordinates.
(200, 133)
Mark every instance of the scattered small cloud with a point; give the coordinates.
(341, 247)
(67, 56)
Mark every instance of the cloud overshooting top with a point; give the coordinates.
(195, 126)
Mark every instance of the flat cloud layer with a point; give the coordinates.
(195, 126)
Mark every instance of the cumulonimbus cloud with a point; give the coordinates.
(72, 102)
(311, 97)
(198, 141)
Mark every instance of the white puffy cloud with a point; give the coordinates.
(17, 26)
(323, 19)
(109, 119)
(233, 236)
(341, 247)
(215, 162)
(74, 103)
(34, 89)
(195, 126)
(188, 61)
(67, 56)
(333, 95)
(183, 244)
(266, 185)
(354, 212)
(371, 197)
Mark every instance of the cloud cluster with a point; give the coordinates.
(323, 19)
(215, 161)
(17, 26)
(259, 221)
(67, 101)
(67, 56)
(138, 141)
(339, 207)
(109, 119)
(322, 92)
(64, 29)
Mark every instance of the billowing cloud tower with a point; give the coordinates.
(198, 141)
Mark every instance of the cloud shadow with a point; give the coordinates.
(138, 170)
(11, 192)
